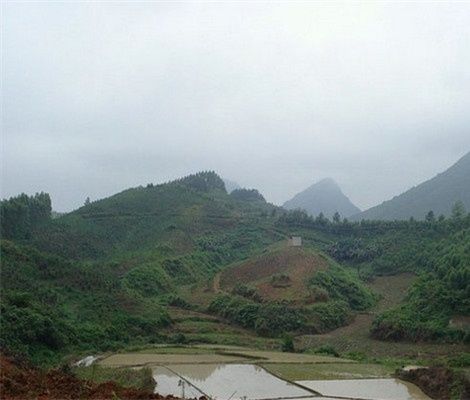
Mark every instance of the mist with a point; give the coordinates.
(99, 97)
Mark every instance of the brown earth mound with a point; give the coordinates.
(20, 381)
(296, 264)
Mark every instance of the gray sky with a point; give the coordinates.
(98, 97)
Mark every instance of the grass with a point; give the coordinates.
(297, 372)
(138, 378)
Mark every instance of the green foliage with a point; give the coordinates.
(148, 280)
(440, 293)
(247, 292)
(354, 250)
(20, 215)
(140, 378)
(341, 285)
(275, 318)
(247, 195)
(287, 344)
(51, 306)
(202, 181)
(324, 317)
(267, 319)
(458, 210)
(326, 350)
(104, 273)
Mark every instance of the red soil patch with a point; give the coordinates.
(299, 264)
(20, 381)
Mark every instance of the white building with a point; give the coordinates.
(295, 241)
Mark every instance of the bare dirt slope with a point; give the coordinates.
(20, 381)
(298, 264)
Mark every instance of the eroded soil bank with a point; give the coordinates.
(20, 381)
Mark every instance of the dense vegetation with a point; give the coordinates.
(102, 276)
(442, 291)
(21, 214)
(50, 305)
(438, 250)
(275, 318)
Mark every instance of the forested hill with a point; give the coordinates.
(324, 197)
(438, 194)
(167, 219)
(104, 276)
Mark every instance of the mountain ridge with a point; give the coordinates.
(437, 194)
(324, 196)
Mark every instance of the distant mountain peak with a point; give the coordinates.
(324, 196)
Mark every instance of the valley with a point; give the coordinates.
(184, 273)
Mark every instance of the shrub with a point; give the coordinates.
(341, 285)
(288, 344)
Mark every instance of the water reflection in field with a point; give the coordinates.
(373, 389)
(251, 382)
(223, 381)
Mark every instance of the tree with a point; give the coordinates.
(430, 216)
(321, 219)
(458, 210)
(87, 201)
(336, 218)
(20, 215)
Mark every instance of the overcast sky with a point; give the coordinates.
(98, 97)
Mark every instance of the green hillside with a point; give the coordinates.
(438, 194)
(51, 306)
(165, 219)
(438, 251)
(111, 273)
(102, 276)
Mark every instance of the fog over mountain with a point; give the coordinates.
(230, 186)
(323, 197)
(438, 194)
(102, 96)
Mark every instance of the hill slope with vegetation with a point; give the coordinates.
(105, 275)
(438, 195)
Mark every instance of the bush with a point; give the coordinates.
(288, 344)
(148, 280)
(324, 317)
(326, 350)
(341, 285)
(267, 319)
(280, 280)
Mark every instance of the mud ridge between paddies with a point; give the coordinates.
(154, 356)
(21, 381)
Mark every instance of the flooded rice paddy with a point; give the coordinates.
(251, 382)
(224, 381)
(367, 389)
(234, 373)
